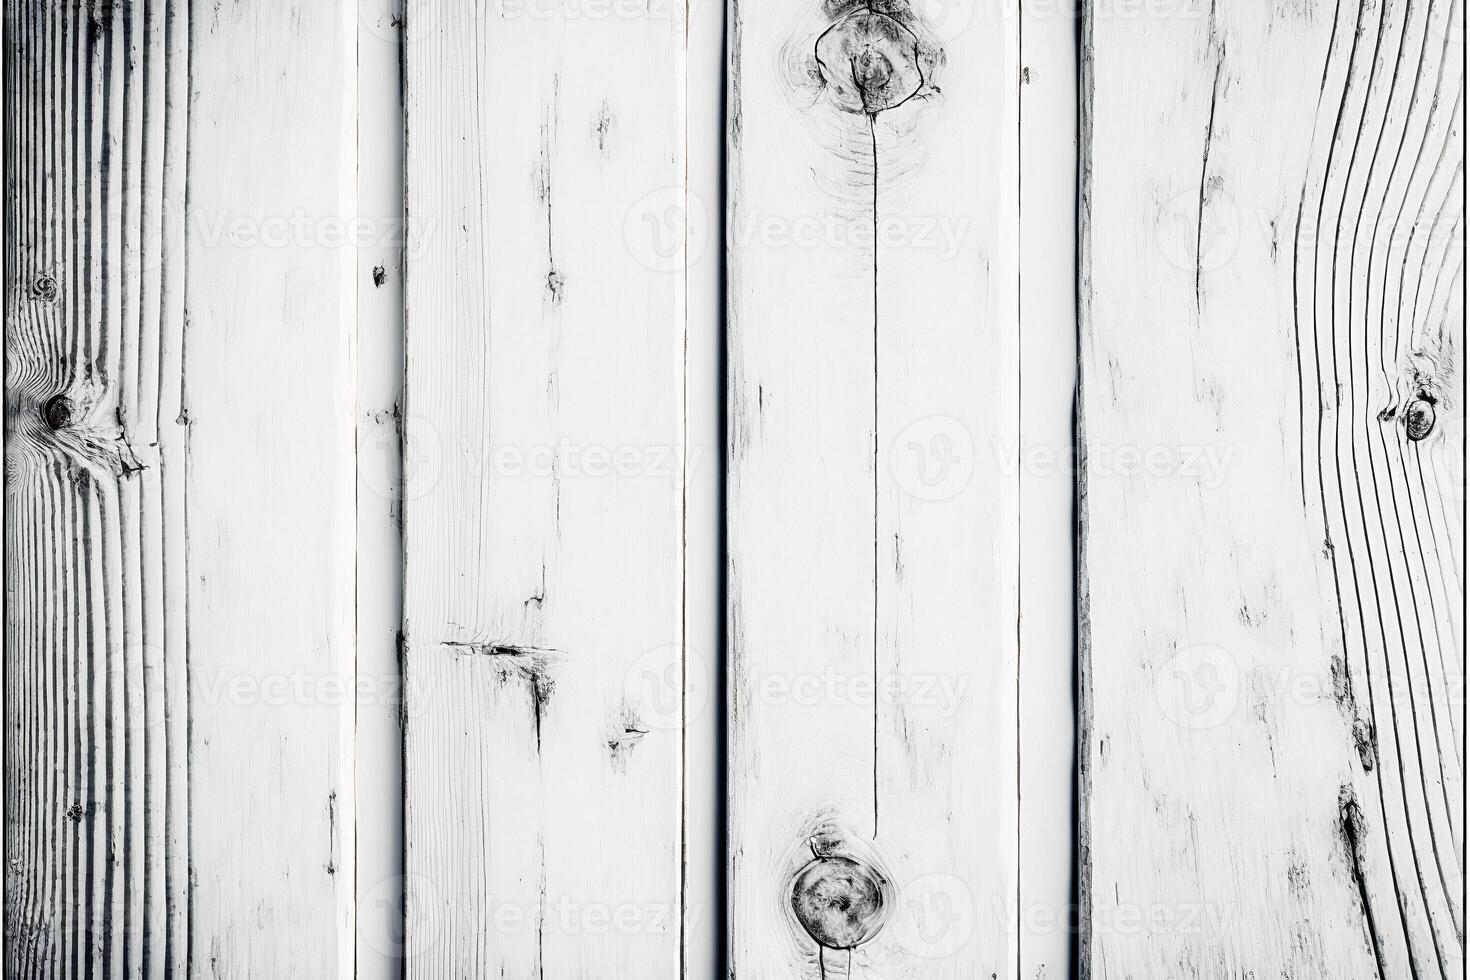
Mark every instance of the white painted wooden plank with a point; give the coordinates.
(1273, 641)
(95, 738)
(872, 518)
(381, 256)
(269, 410)
(544, 597)
(1046, 913)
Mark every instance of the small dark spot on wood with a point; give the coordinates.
(45, 288)
(58, 412)
(627, 732)
(380, 276)
(530, 665)
(1366, 744)
(1342, 685)
(603, 128)
(75, 813)
(1419, 419)
(1025, 76)
(556, 284)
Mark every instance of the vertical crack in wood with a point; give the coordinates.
(873, 133)
(1204, 175)
(1350, 826)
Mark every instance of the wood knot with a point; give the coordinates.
(44, 287)
(1419, 419)
(840, 902)
(58, 412)
(870, 62)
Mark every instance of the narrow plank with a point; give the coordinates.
(873, 490)
(269, 412)
(381, 256)
(1272, 401)
(704, 525)
(544, 424)
(95, 778)
(1047, 906)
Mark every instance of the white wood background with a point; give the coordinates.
(1273, 538)
(873, 543)
(545, 658)
(371, 368)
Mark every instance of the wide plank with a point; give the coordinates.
(544, 500)
(268, 410)
(872, 489)
(1273, 563)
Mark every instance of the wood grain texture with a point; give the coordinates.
(269, 411)
(873, 365)
(544, 606)
(96, 827)
(1273, 568)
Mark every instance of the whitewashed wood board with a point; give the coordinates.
(873, 366)
(180, 471)
(543, 493)
(97, 829)
(1273, 538)
(268, 403)
(268, 444)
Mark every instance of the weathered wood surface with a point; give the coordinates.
(269, 384)
(544, 607)
(179, 469)
(1273, 565)
(96, 833)
(873, 364)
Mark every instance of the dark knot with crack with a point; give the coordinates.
(870, 62)
(840, 902)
